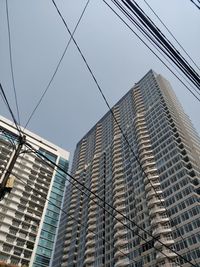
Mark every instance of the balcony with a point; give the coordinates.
(168, 253)
(89, 260)
(90, 250)
(161, 230)
(155, 201)
(164, 240)
(118, 234)
(123, 262)
(156, 210)
(159, 219)
(91, 244)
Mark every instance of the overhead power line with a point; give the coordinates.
(152, 43)
(195, 4)
(148, 27)
(3, 95)
(11, 61)
(110, 206)
(58, 65)
(171, 51)
(171, 34)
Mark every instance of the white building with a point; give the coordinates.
(28, 222)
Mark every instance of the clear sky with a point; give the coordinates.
(73, 104)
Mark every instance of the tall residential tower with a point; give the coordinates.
(28, 222)
(149, 174)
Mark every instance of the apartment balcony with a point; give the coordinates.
(119, 201)
(152, 193)
(118, 194)
(64, 258)
(151, 178)
(145, 151)
(161, 230)
(95, 178)
(117, 166)
(144, 141)
(67, 242)
(119, 180)
(118, 187)
(90, 243)
(155, 201)
(148, 156)
(119, 233)
(119, 225)
(89, 260)
(164, 240)
(93, 186)
(66, 249)
(149, 186)
(90, 249)
(121, 208)
(90, 235)
(168, 253)
(116, 171)
(92, 206)
(117, 152)
(159, 219)
(92, 220)
(148, 164)
(119, 216)
(92, 213)
(92, 227)
(122, 262)
(120, 253)
(156, 210)
(151, 169)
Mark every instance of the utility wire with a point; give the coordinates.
(195, 4)
(171, 34)
(128, 15)
(11, 61)
(9, 108)
(169, 49)
(104, 98)
(110, 206)
(58, 65)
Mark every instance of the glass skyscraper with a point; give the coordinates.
(149, 174)
(28, 222)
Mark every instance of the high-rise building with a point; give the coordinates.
(29, 214)
(149, 174)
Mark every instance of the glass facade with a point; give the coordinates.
(50, 224)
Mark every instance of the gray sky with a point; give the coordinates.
(118, 59)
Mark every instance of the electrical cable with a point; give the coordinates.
(11, 61)
(150, 40)
(58, 65)
(169, 49)
(195, 4)
(171, 34)
(110, 206)
(100, 90)
(9, 108)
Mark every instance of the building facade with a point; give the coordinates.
(149, 174)
(29, 214)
